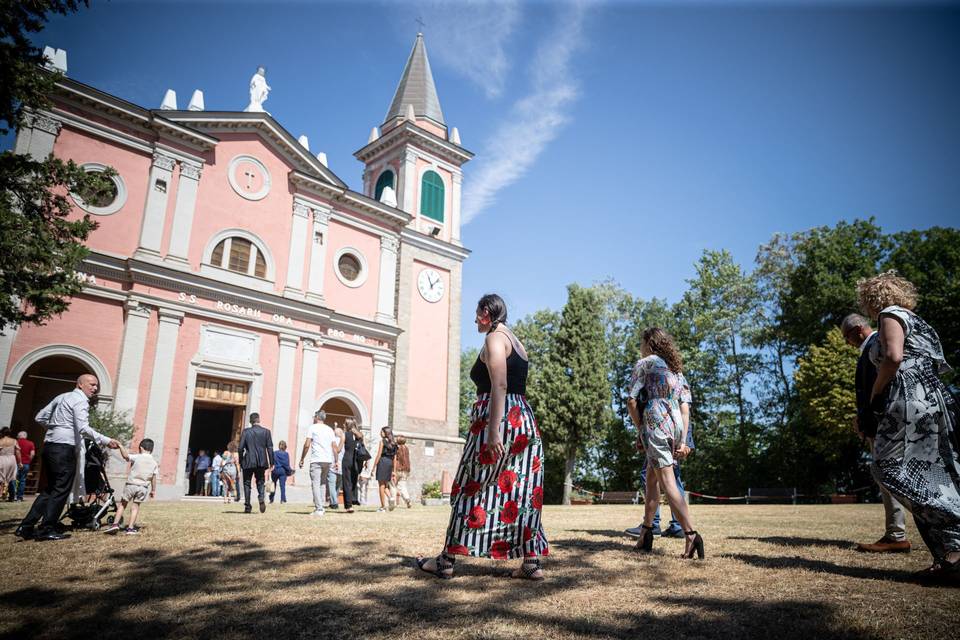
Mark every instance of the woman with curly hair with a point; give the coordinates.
(915, 450)
(662, 432)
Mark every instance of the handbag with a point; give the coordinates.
(360, 453)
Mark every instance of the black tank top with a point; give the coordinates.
(517, 369)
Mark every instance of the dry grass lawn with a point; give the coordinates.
(203, 570)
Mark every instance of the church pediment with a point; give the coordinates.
(268, 129)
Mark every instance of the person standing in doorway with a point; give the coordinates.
(10, 462)
(228, 474)
(256, 457)
(27, 451)
(858, 333)
(216, 466)
(321, 444)
(201, 465)
(66, 419)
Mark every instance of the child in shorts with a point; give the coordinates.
(141, 479)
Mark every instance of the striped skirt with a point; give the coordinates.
(495, 504)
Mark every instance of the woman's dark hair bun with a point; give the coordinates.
(496, 307)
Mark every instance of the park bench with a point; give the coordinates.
(620, 497)
(772, 493)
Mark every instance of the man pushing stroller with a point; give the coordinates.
(141, 480)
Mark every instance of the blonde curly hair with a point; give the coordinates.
(883, 290)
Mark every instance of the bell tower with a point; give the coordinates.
(413, 160)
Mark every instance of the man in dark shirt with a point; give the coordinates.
(858, 333)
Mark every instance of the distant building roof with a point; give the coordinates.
(416, 88)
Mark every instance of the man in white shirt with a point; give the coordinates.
(215, 468)
(321, 443)
(66, 419)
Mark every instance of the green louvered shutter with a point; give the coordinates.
(385, 180)
(431, 196)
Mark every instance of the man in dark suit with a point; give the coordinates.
(858, 333)
(256, 457)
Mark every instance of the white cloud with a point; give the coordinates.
(533, 121)
(469, 37)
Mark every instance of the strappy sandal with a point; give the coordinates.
(645, 543)
(442, 564)
(696, 546)
(528, 568)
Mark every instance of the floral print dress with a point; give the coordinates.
(662, 422)
(496, 504)
(915, 452)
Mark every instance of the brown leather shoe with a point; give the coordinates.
(885, 545)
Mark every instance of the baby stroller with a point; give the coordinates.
(99, 500)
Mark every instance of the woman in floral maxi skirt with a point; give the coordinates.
(497, 495)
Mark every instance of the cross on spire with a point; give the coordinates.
(420, 22)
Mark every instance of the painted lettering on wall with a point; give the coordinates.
(356, 337)
(190, 299)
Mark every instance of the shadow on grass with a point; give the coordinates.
(821, 566)
(234, 582)
(792, 541)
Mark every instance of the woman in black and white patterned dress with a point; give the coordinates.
(916, 445)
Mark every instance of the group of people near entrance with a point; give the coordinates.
(338, 459)
(904, 410)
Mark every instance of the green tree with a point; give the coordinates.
(822, 284)
(576, 378)
(40, 248)
(468, 392)
(931, 260)
(824, 380)
(538, 332)
(722, 310)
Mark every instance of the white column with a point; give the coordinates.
(42, 137)
(308, 394)
(155, 208)
(131, 357)
(8, 396)
(386, 294)
(282, 402)
(409, 183)
(380, 407)
(298, 249)
(162, 378)
(318, 254)
(183, 212)
(455, 207)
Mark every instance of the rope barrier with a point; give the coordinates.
(734, 498)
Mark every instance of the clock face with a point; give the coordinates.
(430, 285)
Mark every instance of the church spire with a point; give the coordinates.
(416, 88)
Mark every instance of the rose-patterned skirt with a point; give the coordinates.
(496, 504)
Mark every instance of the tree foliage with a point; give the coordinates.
(467, 390)
(40, 248)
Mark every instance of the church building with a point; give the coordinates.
(233, 272)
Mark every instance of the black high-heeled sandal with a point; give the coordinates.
(528, 569)
(697, 546)
(441, 565)
(645, 543)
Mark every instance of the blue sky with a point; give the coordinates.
(615, 139)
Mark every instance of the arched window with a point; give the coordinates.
(431, 196)
(240, 255)
(385, 180)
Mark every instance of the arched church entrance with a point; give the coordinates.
(338, 410)
(40, 383)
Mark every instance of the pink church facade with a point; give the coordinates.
(233, 272)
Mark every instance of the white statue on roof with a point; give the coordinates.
(258, 90)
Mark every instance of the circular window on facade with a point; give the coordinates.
(104, 199)
(351, 267)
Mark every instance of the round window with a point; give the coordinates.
(349, 267)
(102, 199)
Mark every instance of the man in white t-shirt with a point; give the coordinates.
(321, 443)
(215, 468)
